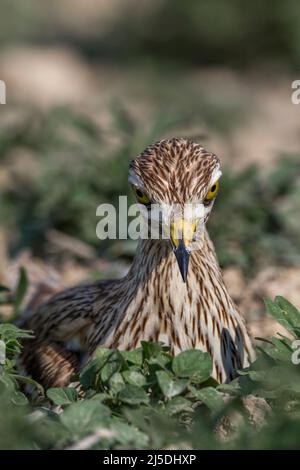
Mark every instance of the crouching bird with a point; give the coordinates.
(173, 292)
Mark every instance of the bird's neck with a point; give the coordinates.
(158, 306)
(152, 303)
(155, 264)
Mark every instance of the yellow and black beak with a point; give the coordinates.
(181, 234)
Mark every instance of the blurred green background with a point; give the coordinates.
(91, 83)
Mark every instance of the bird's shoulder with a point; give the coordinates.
(74, 301)
(79, 295)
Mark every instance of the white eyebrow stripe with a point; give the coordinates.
(216, 176)
(134, 179)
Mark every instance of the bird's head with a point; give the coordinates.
(177, 181)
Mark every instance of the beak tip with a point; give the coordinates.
(182, 256)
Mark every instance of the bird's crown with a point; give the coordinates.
(175, 171)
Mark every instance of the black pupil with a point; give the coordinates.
(139, 193)
(213, 188)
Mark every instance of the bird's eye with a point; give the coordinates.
(212, 192)
(140, 195)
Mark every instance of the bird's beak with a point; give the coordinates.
(181, 234)
(182, 256)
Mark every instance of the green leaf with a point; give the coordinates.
(134, 377)
(99, 396)
(116, 382)
(177, 405)
(162, 360)
(88, 374)
(9, 331)
(113, 364)
(84, 416)
(10, 334)
(128, 435)
(156, 354)
(62, 396)
(20, 291)
(255, 375)
(151, 349)
(133, 395)
(281, 351)
(193, 364)
(6, 379)
(102, 354)
(280, 315)
(210, 397)
(291, 313)
(233, 388)
(30, 381)
(134, 357)
(18, 398)
(170, 386)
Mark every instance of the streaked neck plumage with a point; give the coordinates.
(156, 305)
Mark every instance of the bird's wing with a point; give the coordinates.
(65, 315)
(48, 362)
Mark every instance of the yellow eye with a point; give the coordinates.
(141, 197)
(212, 192)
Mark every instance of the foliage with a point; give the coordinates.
(229, 32)
(147, 398)
(75, 171)
(10, 346)
(260, 208)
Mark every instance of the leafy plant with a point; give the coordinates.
(147, 398)
(10, 345)
(74, 158)
(261, 209)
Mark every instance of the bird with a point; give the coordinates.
(174, 291)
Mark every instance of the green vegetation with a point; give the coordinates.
(229, 32)
(146, 398)
(253, 222)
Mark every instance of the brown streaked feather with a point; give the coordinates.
(151, 302)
